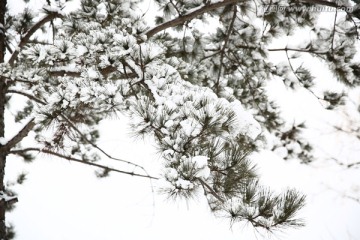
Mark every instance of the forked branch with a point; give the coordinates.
(25, 39)
(72, 125)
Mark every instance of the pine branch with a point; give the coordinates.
(104, 71)
(97, 147)
(11, 81)
(70, 158)
(60, 73)
(299, 80)
(176, 8)
(350, 165)
(334, 5)
(295, 50)
(31, 97)
(212, 192)
(25, 39)
(82, 135)
(333, 32)
(222, 51)
(35, 41)
(247, 83)
(18, 137)
(189, 16)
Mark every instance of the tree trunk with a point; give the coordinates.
(2, 119)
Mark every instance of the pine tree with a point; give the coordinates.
(201, 95)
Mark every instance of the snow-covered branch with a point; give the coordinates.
(19, 136)
(104, 71)
(189, 16)
(7, 198)
(24, 39)
(31, 97)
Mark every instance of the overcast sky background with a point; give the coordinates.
(62, 200)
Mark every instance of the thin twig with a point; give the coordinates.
(70, 158)
(299, 80)
(97, 147)
(176, 8)
(82, 135)
(333, 35)
(26, 95)
(295, 50)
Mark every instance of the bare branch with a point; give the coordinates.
(176, 8)
(353, 198)
(26, 95)
(340, 163)
(97, 147)
(82, 135)
(104, 71)
(333, 32)
(35, 41)
(295, 50)
(353, 164)
(19, 136)
(61, 73)
(301, 83)
(25, 39)
(70, 158)
(189, 16)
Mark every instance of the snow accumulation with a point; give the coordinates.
(174, 93)
(6, 197)
(52, 8)
(246, 123)
(198, 164)
(92, 73)
(201, 163)
(101, 13)
(184, 184)
(3, 141)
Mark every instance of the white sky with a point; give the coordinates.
(63, 200)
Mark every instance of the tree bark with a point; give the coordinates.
(3, 87)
